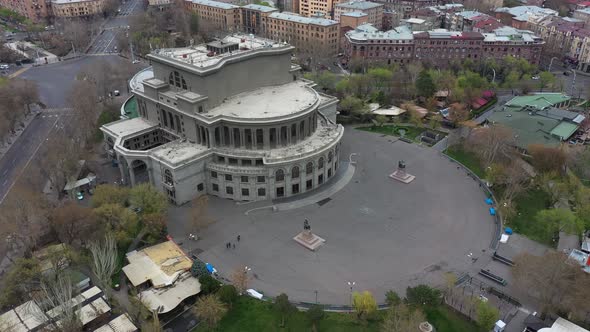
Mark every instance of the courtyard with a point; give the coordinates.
(380, 233)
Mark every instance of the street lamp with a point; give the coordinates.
(551, 63)
(351, 284)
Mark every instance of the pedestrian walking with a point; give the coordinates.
(234, 245)
(227, 245)
(238, 237)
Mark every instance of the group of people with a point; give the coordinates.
(230, 245)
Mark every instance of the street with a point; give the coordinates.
(106, 42)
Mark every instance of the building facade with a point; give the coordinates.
(315, 37)
(254, 18)
(35, 10)
(353, 20)
(219, 15)
(373, 10)
(316, 8)
(230, 118)
(77, 8)
(440, 47)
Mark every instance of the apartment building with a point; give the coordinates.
(291, 6)
(353, 20)
(316, 37)
(254, 18)
(518, 17)
(440, 46)
(317, 8)
(35, 10)
(77, 8)
(220, 15)
(583, 14)
(373, 10)
(562, 35)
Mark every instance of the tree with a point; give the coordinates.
(283, 306)
(546, 159)
(551, 279)
(364, 304)
(578, 161)
(315, 314)
(110, 194)
(458, 113)
(545, 79)
(147, 199)
(553, 221)
(381, 120)
(487, 315)
(392, 299)
(194, 23)
(401, 318)
(83, 99)
(228, 294)
(352, 105)
(209, 284)
(199, 269)
(240, 278)
(104, 261)
(23, 276)
(73, 222)
(422, 295)
(121, 221)
(56, 295)
(199, 216)
(210, 309)
(490, 143)
(424, 85)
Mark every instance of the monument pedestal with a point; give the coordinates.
(309, 240)
(402, 176)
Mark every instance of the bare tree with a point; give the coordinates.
(240, 278)
(104, 260)
(199, 217)
(73, 223)
(401, 318)
(490, 143)
(56, 295)
(210, 309)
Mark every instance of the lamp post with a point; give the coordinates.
(551, 63)
(351, 284)
(573, 83)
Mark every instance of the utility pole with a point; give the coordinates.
(73, 48)
(573, 83)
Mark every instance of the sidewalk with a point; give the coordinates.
(5, 146)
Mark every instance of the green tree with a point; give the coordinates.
(545, 79)
(194, 23)
(392, 299)
(24, 273)
(559, 220)
(487, 315)
(283, 306)
(199, 269)
(147, 199)
(425, 85)
(381, 120)
(209, 284)
(110, 194)
(228, 294)
(423, 295)
(364, 304)
(210, 309)
(315, 314)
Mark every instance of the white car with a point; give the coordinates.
(4, 66)
(116, 93)
(536, 77)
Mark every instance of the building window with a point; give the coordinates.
(214, 174)
(228, 177)
(261, 192)
(215, 187)
(229, 190)
(221, 159)
(295, 172)
(200, 187)
(330, 156)
(280, 175)
(309, 168)
(329, 172)
(295, 188)
(246, 162)
(233, 161)
(168, 177)
(261, 179)
(176, 79)
(244, 179)
(245, 192)
(320, 178)
(308, 184)
(321, 163)
(280, 191)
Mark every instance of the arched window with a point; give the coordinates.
(330, 156)
(168, 177)
(295, 172)
(309, 168)
(321, 163)
(279, 175)
(177, 80)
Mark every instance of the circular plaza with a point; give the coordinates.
(380, 233)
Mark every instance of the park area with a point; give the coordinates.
(408, 132)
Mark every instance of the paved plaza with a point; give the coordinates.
(380, 233)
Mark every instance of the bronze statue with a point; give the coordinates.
(306, 225)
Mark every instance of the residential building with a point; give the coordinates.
(391, 19)
(373, 10)
(352, 20)
(368, 43)
(317, 8)
(583, 14)
(77, 8)
(518, 17)
(440, 46)
(538, 119)
(432, 18)
(161, 276)
(254, 18)
(316, 37)
(38, 11)
(564, 37)
(160, 4)
(219, 15)
(291, 6)
(468, 20)
(404, 7)
(417, 24)
(230, 118)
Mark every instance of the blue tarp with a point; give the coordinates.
(508, 230)
(210, 267)
(492, 211)
(489, 201)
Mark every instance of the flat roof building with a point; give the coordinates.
(230, 118)
(77, 8)
(374, 11)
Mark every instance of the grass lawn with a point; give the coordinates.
(411, 132)
(445, 319)
(469, 159)
(251, 315)
(528, 204)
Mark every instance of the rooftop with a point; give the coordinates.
(216, 4)
(178, 151)
(264, 9)
(469, 14)
(562, 325)
(446, 34)
(539, 100)
(200, 57)
(168, 298)
(510, 34)
(267, 102)
(354, 14)
(359, 5)
(414, 20)
(369, 32)
(526, 10)
(60, 2)
(302, 19)
(161, 264)
(583, 11)
(120, 324)
(122, 128)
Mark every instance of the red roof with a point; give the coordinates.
(488, 94)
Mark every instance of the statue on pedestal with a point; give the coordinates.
(306, 225)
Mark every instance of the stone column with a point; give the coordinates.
(266, 135)
(242, 138)
(131, 175)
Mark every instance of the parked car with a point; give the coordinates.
(536, 77)
(116, 93)
(4, 66)
(79, 195)
(566, 73)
